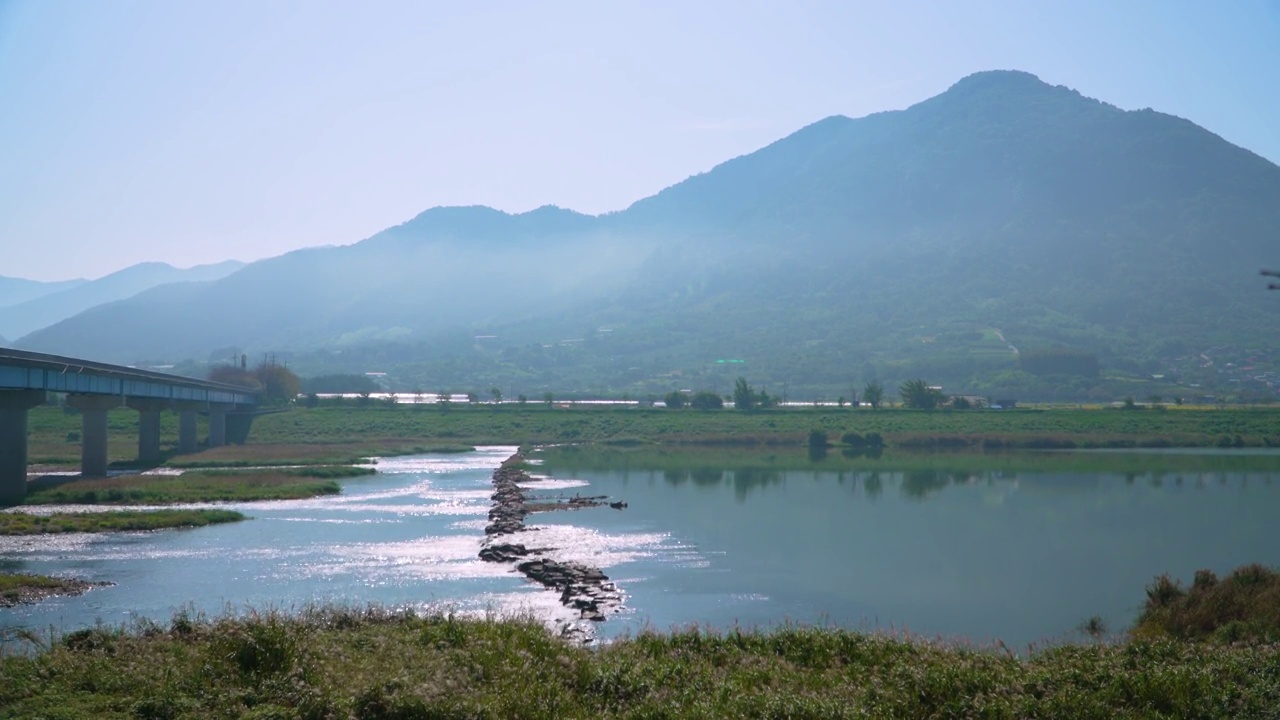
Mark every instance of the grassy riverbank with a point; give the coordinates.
(18, 588)
(194, 486)
(14, 523)
(340, 435)
(372, 664)
(537, 424)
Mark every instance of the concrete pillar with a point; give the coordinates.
(186, 431)
(217, 425)
(238, 426)
(149, 410)
(93, 431)
(14, 405)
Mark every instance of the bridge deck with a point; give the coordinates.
(93, 388)
(20, 370)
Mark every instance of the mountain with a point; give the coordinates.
(444, 268)
(1003, 219)
(18, 290)
(43, 310)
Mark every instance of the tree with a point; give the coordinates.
(522, 398)
(472, 398)
(234, 375)
(706, 400)
(276, 384)
(442, 399)
(674, 399)
(744, 397)
(496, 392)
(547, 397)
(873, 394)
(917, 394)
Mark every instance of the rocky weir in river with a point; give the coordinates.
(582, 588)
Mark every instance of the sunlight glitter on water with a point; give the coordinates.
(595, 548)
(407, 536)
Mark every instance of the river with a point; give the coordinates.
(968, 548)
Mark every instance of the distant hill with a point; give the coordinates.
(18, 290)
(942, 241)
(46, 309)
(444, 268)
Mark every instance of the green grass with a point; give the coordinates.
(344, 435)
(17, 588)
(375, 664)
(538, 425)
(11, 581)
(12, 523)
(195, 486)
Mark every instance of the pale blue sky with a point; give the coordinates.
(193, 132)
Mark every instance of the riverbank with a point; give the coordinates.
(371, 664)
(192, 486)
(20, 523)
(18, 588)
(344, 435)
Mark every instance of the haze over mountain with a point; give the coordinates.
(67, 299)
(942, 240)
(18, 290)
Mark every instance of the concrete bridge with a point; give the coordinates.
(26, 379)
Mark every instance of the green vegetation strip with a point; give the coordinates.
(13, 523)
(344, 435)
(387, 427)
(197, 486)
(374, 664)
(17, 588)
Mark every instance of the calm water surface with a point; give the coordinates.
(1022, 552)
(982, 553)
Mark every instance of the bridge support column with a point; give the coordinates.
(218, 425)
(93, 431)
(186, 430)
(148, 428)
(14, 405)
(238, 425)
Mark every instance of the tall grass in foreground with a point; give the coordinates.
(371, 663)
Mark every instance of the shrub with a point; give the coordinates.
(817, 438)
(1242, 607)
(706, 400)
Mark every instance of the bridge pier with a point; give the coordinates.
(238, 426)
(217, 425)
(93, 431)
(186, 429)
(148, 427)
(14, 405)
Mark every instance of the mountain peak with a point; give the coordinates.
(999, 78)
